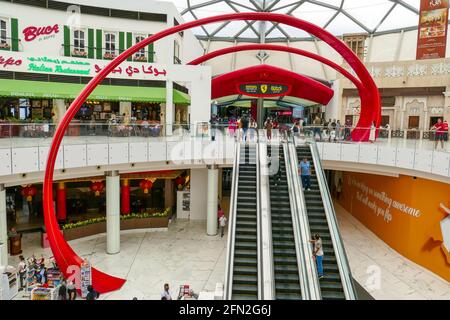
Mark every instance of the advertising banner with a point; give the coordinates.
(412, 215)
(433, 26)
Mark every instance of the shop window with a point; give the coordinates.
(110, 45)
(176, 53)
(141, 54)
(4, 40)
(79, 43)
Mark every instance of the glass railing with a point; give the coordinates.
(41, 133)
(31, 133)
(399, 138)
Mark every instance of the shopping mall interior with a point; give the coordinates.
(224, 150)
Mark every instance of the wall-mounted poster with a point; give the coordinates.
(433, 26)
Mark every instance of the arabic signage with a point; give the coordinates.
(433, 26)
(79, 67)
(264, 89)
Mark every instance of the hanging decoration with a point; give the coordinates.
(179, 181)
(29, 191)
(97, 187)
(146, 185)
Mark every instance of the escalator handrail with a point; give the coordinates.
(302, 223)
(294, 206)
(232, 225)
(258, 225)
(341, 256)
(268, 277)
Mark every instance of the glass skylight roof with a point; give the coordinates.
(337, 16)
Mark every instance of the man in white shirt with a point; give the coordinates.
(223, 223)
(165, 295)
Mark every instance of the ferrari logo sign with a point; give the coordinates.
(261, 89)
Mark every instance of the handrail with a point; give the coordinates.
(341, 256)
(266, 227)
(232, 226)
(258, 225)
(301, 223)
(304, 284)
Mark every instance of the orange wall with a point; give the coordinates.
(416, 233)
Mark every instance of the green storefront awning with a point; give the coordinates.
(57, 90)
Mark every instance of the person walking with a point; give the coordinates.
(373, 130)
(439, 127)
(22, 268)
(317, 125)
(244, 124)
(62, 291)
(219, 215)
(165, 295)
(269, 126)
(318, 254)
(305, 173)
(253, 129)
(92, 294)
(347, 129)
(223, 223)
(71, 291)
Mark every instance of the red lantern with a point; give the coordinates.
(180, 181)
(146, 185)
(97, 187)
(29, 191)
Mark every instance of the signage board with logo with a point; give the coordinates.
(262, 89)
(433, 27)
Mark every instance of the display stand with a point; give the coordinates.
(30, 280)
(183, 204)
(15, 245)
(42, 293)
(53, 277)
(86, 278)
(9, 286)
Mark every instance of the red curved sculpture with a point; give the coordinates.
(65, 257)
(274, 47)
(300, 86)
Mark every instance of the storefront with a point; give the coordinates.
(35, 102)
(83, 199)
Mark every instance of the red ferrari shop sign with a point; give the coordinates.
(433, 25)
(264, 89)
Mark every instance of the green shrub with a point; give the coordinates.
(130, 216)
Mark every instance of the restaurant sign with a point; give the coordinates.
(264, 89)
(433, 25)
(79, 67)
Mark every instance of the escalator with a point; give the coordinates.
(331, 286)
(245, 262)
(286, 270)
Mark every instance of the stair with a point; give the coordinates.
(245, 268)
(286, 273)
(331, 285)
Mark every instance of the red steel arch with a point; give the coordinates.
(64, 255)
(274, 47)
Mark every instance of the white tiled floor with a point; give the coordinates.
(400, 277)
(186, 255)
(182, 255)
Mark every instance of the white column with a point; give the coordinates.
(170, 108)
(212, 202)
(3, 228)
(59, 109)
(112, 212)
